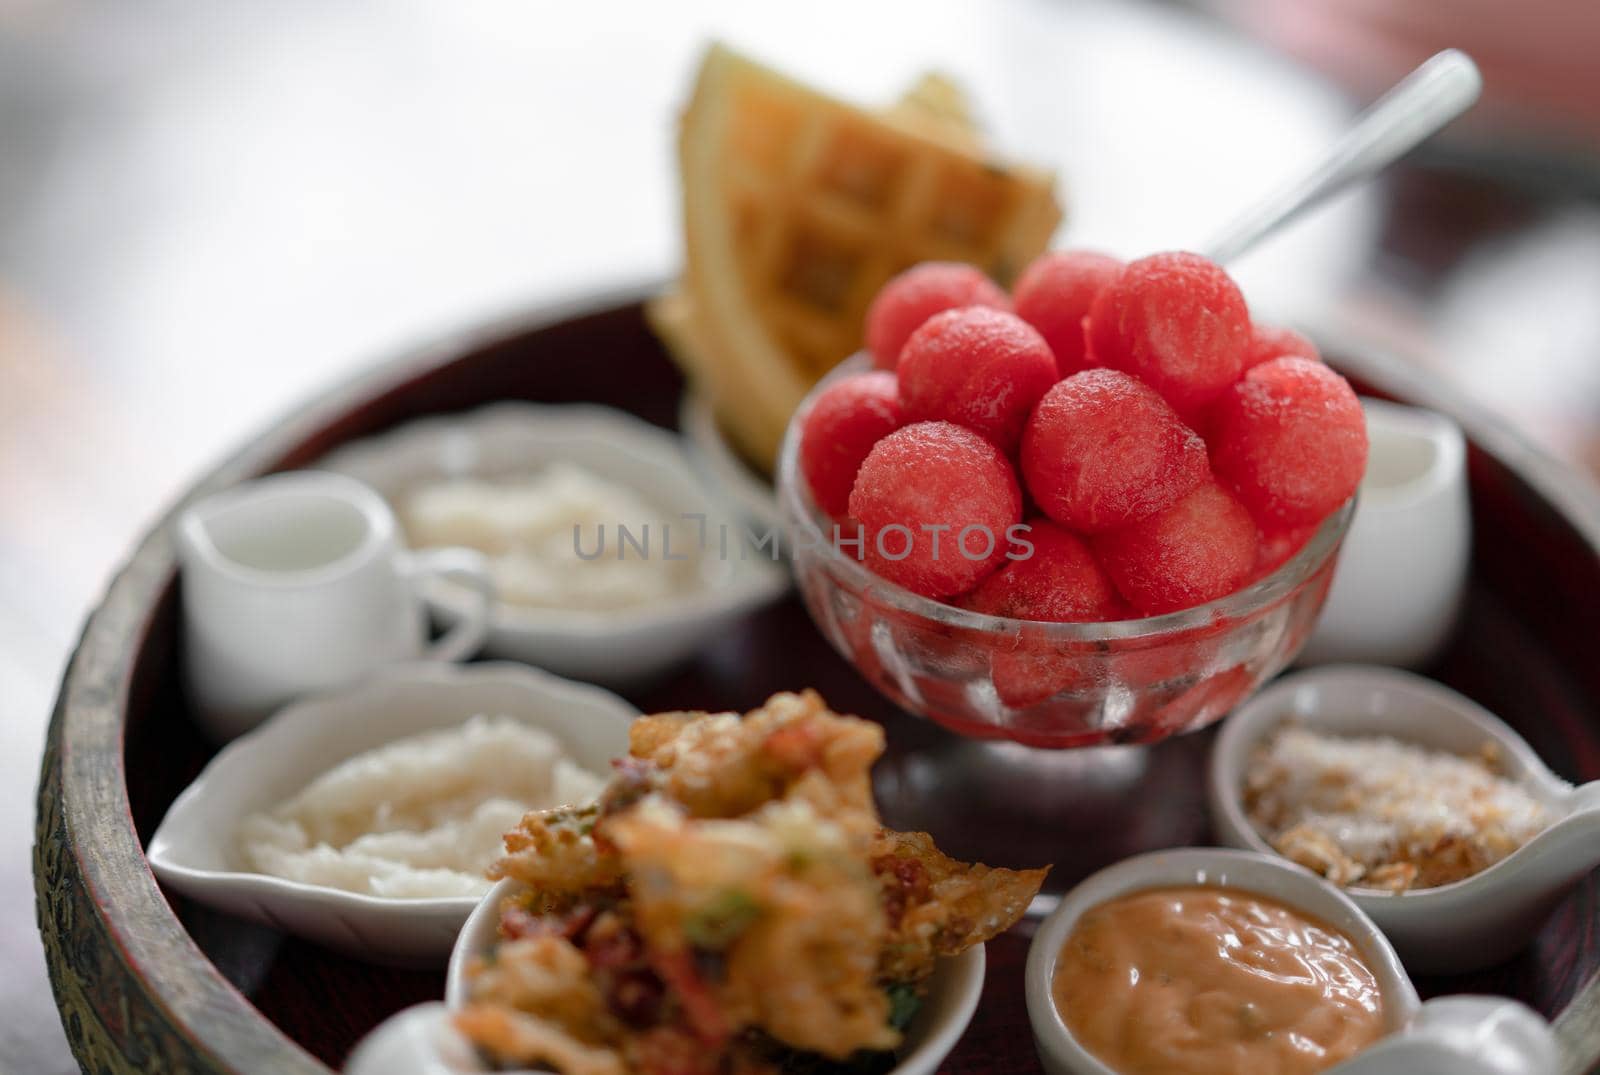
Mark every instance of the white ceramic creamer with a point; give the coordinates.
(297, 583)
(1403, 569)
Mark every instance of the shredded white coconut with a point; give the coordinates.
(420, 817)
(526, 529)
(1380, 813)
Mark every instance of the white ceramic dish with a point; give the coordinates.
(1446, 1036)
(193, 851)
(1403, 566)
(1472, 923)
(420, 1041)
(752, 496)
(618, 648)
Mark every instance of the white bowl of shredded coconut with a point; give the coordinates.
(613, 559)
(1437, 818)
(365, 819)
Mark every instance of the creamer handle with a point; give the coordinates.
(468, 568)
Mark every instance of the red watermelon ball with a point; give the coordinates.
(1268, 342)
(936, 503)
(843, 424)
(1054, 295)
(1054, 578)
(1198, 550)
(1176, 321)
(906, 301)
(1032, 673)
(1102, 450)
(976, 367)
(1290, 440)
(1278, 547)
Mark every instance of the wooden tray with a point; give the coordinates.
(148, 983)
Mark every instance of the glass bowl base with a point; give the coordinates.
(1005, 804)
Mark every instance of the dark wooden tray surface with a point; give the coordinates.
(150, 983)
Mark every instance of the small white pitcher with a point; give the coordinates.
(1403, 569)
(298, 582)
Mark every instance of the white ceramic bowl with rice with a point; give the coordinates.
(1471, 923)
(412, 907)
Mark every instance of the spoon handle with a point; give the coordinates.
(1427, 99)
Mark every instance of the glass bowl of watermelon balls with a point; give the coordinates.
(1102, 509)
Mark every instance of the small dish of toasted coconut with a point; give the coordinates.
(1374, 812)
(1440, 821)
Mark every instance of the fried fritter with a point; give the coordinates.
(785, 900)
(733, 893)
(937, 906)
(553, 852)
(722, 765)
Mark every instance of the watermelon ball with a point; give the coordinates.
(843, 424)
(1268, 342)
(1290, 440)
(1178, 322)
(1054, 295)
(1201, 548)
(1029, 668)
(1278, 546)
(1102, 450)
(936, 502)
(976, 367)
(1054, 578)
(1032, 673)
(906, 301)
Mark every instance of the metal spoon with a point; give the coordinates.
(1424, 101)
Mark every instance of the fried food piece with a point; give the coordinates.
(784, 898)
(553, 852)
(546, 975)
(937, 906)
(536, 1002)
(732, 896)
(722, 765)
(521, 1039)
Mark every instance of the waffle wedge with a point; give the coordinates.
(797, 208)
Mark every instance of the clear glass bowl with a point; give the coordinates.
(1051, 685)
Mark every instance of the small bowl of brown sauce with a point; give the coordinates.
(1206, 961)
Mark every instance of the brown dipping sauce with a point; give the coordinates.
(1214, 980)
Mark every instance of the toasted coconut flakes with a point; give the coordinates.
(1382, 814)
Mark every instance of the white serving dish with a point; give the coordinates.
(1453, 928)
(193, 851)
(754, 497)
(420, 1041)
(1445, 1036)
(1403, 566)
(621, 647)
